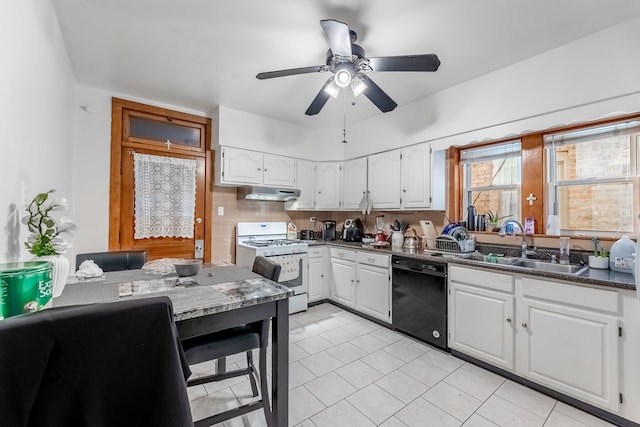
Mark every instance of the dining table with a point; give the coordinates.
(219, 297)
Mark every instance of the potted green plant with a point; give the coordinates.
(492, 218)
(46, 239)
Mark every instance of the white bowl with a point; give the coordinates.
(598, 262)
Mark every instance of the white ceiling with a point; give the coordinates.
(199, 54)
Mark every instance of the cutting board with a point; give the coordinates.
(428, 229)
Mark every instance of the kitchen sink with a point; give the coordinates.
(534, 264)
(504, 260)
(547, 266)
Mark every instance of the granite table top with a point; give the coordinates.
(215, 289)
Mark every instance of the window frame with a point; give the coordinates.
(534, 179)
(486, 153)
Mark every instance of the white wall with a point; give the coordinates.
(37, 109)
(245, 130)
(583, 80)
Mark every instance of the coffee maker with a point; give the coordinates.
(352, 231)
(329, 230)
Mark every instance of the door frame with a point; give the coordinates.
(115, 180)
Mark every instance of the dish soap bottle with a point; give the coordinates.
(621, 255)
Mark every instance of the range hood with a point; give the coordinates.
(268, 193)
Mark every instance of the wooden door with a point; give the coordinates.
(122, 198)
(159, 247)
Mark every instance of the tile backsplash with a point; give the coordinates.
(224, 227)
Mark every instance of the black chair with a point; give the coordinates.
(106, 364)
(245, 338)
(115, 260)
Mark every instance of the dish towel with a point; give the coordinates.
(165, 196)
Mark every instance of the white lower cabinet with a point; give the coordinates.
(558, 335)
(319, 277)
(361, 280)
(481, 315)
(373, 290)
(570, 343)
(343, 267)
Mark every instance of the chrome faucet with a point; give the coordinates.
(524, 245)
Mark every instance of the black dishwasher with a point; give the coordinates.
(419, 299)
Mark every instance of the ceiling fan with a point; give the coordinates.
(347, 61)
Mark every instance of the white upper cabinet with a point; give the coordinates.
(328, 185)
(354, 178)
(279, 171)
(241, 166)
(416, 176)
(384, 179)
(305, 180)
(247, 167)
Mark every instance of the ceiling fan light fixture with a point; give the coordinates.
(343, 75)
(358, 85)
(332, 89)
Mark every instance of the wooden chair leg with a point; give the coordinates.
(252, 374)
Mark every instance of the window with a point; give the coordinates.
(593, 178)
(491, 178)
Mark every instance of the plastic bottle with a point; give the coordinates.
(621, 255)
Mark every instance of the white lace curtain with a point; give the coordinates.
(165, 196)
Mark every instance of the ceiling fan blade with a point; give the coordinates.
(428, 62)
(291, 72)
(319, 101)
(378, 96)
(338, 36)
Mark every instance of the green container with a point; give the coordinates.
(24, 287)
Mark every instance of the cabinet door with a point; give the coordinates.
(384, 179)
(343, 281)
(481, 324)
(279, 171)
(318, 277)
(305, 182)
(328, 185)
(416, 176)
(241, 166)
(373, 291)
(354, 178)
(571, 350)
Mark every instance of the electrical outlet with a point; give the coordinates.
(312, 219)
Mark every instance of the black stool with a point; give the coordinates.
(115, 260)
(231, 341)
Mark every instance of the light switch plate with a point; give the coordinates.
(220, 210)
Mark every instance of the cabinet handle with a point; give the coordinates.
(508, 319)
(265, 169)
(404, 190)
(259, 168)
(357, 281)
(524, 324)
(371, 260)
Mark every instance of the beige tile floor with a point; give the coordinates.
(347, 371)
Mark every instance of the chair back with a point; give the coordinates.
(267, 268)
(67, 365)
(115, 260)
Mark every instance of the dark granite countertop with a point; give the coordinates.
(605, 278)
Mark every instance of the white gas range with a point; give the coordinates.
(269, 239)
